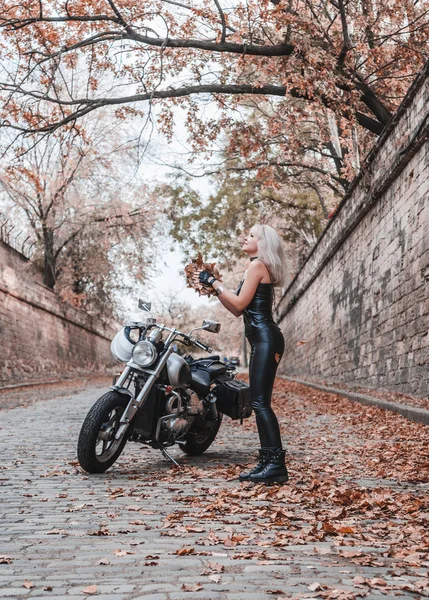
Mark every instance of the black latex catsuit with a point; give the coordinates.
(267, 343)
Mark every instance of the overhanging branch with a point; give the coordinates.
(87, 105)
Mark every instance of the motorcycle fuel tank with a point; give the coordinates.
(179, 371)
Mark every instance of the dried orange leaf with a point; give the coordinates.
(90, 590)
(192, 588)
(119, 552)
(377, 581)
(185, 551)
(192, 271)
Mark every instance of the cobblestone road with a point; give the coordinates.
(148, 530)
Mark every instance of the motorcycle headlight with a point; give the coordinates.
(144, 354)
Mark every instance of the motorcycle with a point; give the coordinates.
(161, 398)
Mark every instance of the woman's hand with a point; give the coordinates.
(201, 275)
(206, 278)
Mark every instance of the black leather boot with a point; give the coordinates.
(274, 470)
(259, 466)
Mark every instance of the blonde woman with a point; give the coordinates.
(254, 300)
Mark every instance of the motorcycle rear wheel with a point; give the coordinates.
(97, 448)
(197, 442)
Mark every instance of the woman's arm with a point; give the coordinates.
(236, 304)
(228, 305)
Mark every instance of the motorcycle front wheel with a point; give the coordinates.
(97, 448)
(200, 437)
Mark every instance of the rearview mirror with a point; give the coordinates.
(212, 326)
(143, 305)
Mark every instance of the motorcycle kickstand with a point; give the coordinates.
(166, 455)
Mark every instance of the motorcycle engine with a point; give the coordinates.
(180, 405)
(195, 406)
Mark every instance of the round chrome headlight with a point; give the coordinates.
(144, 354)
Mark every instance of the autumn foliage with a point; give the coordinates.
(192, 271)
(286, 97)
(352, 59)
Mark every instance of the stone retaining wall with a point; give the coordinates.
(358, 311)
(40, 336)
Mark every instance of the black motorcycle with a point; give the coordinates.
(161, 398)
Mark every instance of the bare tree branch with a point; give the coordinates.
(347, 44)
(223, 46)
(223, 21)
(87, 105)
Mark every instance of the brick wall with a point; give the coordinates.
(42, 338)
(358, 311)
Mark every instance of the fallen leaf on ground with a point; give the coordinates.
(314, 586)
(215, 567)
(57, 532)
(184, 551)
(351, 553)
(192, 588)
(28, 584)
(90, 590)
(322, 551)
(413, 559)
(119, 552)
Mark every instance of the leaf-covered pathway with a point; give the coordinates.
(351, 523)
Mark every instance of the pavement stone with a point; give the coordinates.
(59, 523)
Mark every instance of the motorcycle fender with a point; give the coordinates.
(121, 390)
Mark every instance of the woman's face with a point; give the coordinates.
(250, 244)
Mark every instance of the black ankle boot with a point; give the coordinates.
(274, 470)
(259, 466)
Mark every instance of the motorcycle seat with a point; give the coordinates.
(207, 358)
(215, 368)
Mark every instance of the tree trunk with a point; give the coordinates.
(49, 257)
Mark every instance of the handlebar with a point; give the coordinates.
(186, 338)
(201, 345)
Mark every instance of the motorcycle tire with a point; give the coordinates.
(97, 448)
(197, 442)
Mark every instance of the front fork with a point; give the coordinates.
(135, 403)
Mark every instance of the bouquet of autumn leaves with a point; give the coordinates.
(193, 269)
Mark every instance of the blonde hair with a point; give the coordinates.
(271, 252)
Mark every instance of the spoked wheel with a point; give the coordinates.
(201, 436)
(97, 448)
